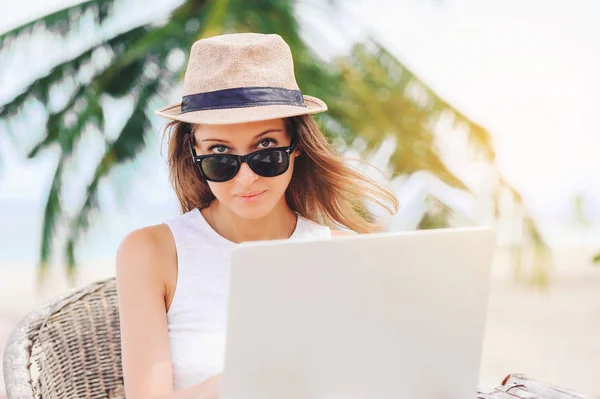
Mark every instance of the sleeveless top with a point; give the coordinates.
(197, 316)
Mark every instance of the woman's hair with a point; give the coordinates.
(323, 188)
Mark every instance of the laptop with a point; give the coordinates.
(380, 316)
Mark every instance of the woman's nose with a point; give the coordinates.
(246, 175)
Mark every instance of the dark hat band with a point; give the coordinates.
(241, 97)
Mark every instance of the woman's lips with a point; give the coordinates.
(251, 197)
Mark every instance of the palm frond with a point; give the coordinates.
(40, 88)
(127, 145)
(83, 108)
(155, 44)
(66, 136)
(268, 16)
(378, 100)
(433, 102)
(61, 21)
(213, 24)
(52, 212)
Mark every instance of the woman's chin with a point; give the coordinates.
(253, 210)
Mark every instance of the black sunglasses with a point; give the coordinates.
(220, 168)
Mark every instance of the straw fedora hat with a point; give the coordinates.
(241, 77)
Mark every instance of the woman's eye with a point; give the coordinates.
(266, 143)
(218, 148)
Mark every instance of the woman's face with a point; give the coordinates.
(247, 194)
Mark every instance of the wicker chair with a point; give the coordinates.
(71, 348)
(68, 348)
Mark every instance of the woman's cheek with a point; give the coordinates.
(221, 191)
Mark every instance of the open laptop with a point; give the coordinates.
(381, 316)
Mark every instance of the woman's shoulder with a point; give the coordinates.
(146, 249)
(149, 238)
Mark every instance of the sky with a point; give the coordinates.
(526, 71)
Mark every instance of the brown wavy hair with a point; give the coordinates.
(323, 187)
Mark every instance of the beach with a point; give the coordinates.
(550, 334)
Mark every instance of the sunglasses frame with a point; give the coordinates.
(197, 159)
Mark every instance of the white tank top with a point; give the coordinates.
(197, 316)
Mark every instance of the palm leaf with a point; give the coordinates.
(40, 88)
(434, 103)
(386, 98)
(376, 102)
(58, 130)
(62, 21)
(382, 70)
(67, 137)
(127, 145)
(51, 214)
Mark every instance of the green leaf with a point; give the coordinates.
(40, 87)
(67, 135)
(52, 212)
(118, 81)
(61, 21)
(127, 145)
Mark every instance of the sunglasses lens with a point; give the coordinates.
(219, 168)
(269, 163)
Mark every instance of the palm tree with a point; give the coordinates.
(390, 100)
(370, 94)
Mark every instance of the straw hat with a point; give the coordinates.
(240, 77)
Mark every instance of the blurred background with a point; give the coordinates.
(480, 112)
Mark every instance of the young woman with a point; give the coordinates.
(247, 162)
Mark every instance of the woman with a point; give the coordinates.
(247, 162)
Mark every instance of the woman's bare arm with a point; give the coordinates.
(143, 260)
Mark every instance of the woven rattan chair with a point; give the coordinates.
(68, 348)
(71, 348)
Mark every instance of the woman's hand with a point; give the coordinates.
(210, 388)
